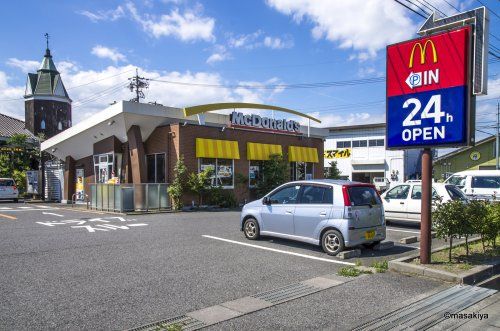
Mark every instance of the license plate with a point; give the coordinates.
(370, 234)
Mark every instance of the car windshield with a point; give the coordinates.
(457, 180)
(363, 195)
(455, 193)
(486, 182)
(6, 182)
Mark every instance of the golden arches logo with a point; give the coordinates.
(423, 52)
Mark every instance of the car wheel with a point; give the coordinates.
(371, 245)
(332, 242)
(251, 229)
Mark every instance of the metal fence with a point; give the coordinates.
(129, 197)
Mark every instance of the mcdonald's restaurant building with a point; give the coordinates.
(138, 143)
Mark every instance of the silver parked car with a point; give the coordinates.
(332, 213)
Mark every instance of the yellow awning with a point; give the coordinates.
(257, 151)
(303, 154)
(214, 148)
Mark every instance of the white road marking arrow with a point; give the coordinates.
(45, 213)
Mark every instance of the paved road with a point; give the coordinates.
(73, 269)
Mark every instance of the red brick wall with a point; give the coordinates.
(187, 147)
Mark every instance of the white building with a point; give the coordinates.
(361, 155)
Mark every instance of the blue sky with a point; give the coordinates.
(247, 48)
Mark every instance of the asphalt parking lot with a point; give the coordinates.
(74, 269)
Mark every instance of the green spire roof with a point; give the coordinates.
(47, 63)
(47, 81)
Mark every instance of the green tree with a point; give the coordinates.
(332, 172)
(178, 186)
(491, 227)
(476, 216)
(447, 220)
(15, 163)
(199, 183)
(275, 171)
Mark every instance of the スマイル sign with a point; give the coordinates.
(428, 94)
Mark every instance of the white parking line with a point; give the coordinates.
(24, 207)
(59, 215)
(398, 230)
(16, 210)
(279, 250)
(5, 208)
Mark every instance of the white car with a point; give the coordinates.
(478, 184)
(8, 189)
(403, 202)
(381, 183)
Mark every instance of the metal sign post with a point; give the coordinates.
(431, 86)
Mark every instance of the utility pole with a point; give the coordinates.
(497, 146)
(138, 84)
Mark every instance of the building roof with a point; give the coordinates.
(10, 126)
(47, 81)
(357, 127)
(77, 141)
(464, 149)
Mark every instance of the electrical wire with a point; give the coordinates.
(491, 11)
(413, 10)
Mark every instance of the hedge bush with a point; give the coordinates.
(455, 219)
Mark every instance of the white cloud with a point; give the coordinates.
(277, 43)
(361, 25)
(104, 15)
(25, 65)
(187, 26)
(219, 54)
(258, 39)
(108, 53)
(110, 84)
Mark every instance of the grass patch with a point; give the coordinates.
(459, 260)
(169, 327)
(380, 266)
(351, 272)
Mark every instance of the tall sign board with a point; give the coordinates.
(428, 93)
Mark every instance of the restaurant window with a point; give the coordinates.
(155, 165)
(301, 170)
(107, 167)
(359, 143)
(255, 172)
(222, 171)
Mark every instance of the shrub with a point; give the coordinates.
(476, 214)
(275, 171)
(199, 183)
(491, 227)
(178, 186)
(448, 219)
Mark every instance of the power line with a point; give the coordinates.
(491, 11)
(413, 10)
(281, 86)
(138, 84)
(98, 80)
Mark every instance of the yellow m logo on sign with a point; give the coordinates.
(423, 52)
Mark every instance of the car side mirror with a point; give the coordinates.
(266, 201)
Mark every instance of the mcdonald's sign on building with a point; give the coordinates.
(428, 95)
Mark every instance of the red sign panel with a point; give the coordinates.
(440, 59)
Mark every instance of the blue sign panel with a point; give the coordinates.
(428, 118)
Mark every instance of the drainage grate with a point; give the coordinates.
(428, 312)
(286, 293)
(185, 322)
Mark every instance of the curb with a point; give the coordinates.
(470, 277)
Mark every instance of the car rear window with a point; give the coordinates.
(7, 182)
(486, 182)
(363, 195)
(455, 193)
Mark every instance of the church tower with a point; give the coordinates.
(47, 105)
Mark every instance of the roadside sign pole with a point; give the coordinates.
(426, 208)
